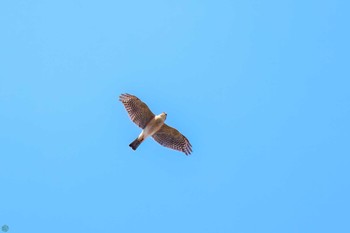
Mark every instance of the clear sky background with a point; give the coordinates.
(260, 88)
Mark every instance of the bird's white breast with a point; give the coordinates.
(152, 127)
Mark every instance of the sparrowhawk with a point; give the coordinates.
(153, 125)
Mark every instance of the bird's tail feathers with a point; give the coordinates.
(136, 143)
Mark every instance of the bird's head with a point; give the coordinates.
(163, 115)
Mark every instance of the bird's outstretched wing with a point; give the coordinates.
(172, 138)
(138, 111)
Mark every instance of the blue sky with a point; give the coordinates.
(260, 88)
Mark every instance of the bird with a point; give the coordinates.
(153, 126)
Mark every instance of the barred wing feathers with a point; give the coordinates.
(172, 138)
(138, 111)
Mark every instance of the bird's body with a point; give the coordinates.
(153, 125)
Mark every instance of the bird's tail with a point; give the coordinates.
(135, 143)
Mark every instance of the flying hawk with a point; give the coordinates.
(153, 125)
